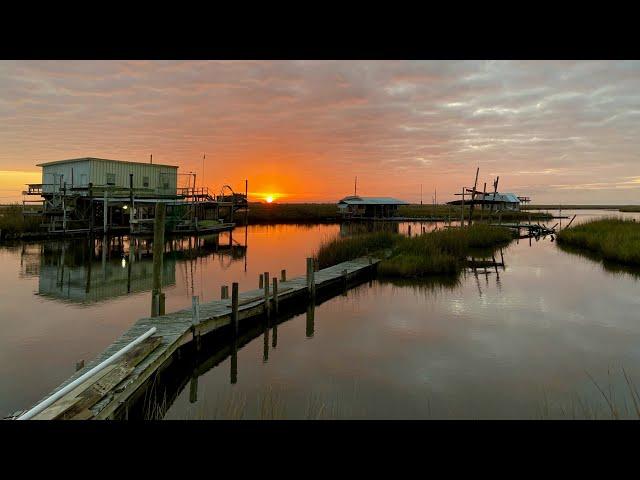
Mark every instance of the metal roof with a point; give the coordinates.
(502, 197)
(357, 200)
(103, 160)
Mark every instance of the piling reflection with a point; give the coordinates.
(90, 271)
(161, 391)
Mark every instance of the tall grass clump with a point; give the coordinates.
(613, 239)
(437, 252)
(441, 251)
(342, 249)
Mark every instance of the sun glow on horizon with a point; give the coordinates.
(269, 198)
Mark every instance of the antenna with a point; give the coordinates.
(151, 158)
(203, 155)
(355, 187)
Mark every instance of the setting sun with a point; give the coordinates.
(269, 198)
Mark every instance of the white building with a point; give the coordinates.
(79, 172)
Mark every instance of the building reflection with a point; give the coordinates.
(88, 271)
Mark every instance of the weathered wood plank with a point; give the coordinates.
(99, 397)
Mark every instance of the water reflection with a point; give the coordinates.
(93, 271)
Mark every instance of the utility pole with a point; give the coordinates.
(420, 194)
(355, 187)
(151, 159)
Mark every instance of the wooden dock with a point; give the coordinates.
(106, 394)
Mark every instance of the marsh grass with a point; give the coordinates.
(619, 399)
(328, 213)
(440, 252)
(292, 212)
(612, 239)
(13, 222)
(342, 249)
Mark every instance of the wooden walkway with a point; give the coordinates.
(105, 393)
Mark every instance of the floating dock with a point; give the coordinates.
(107, 393)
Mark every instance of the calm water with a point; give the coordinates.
(526, 341)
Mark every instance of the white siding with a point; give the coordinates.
(155, 173)
(76, 173)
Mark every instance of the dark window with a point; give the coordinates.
(145, 182)
(111, 178)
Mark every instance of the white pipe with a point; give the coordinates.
(44, 404)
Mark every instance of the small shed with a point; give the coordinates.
(500, 201)
(504, 201)
(369, 207)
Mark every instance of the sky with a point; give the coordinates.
(556, 131)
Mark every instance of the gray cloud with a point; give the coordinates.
(546, 127)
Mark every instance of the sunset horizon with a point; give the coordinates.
(301, 131)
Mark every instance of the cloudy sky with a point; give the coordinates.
(558, 131)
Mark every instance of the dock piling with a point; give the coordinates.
(261, 281)
(158, 251)
(310, 277)
(161, 303)
(275, 295)
(234, 306)
(224, 292)
(195, 319)
(266, 293)
(283, 275)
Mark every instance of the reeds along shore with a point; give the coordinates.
(613, 239)
(13, 223)
(433, 253)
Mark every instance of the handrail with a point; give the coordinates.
(63, 391)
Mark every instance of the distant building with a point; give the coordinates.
(500, 201)
(369, 207)
(503, 201)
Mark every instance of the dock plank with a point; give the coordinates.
(101, 398)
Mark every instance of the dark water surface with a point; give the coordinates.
(529, 340)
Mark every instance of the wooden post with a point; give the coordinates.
(195, 319)
(283, 275)
(409, 230)
(275, 295)
(310, 277)
(345, 274)
(91, 212)
(104, 213)
(462, 210)
(195, 310)
(64, 209)
(473, 196)
(266, 293)
(130, 202)
(224, 292)
(484, 196)
(158, 250)
(261, 282)
(161, 303)
(234, 306)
